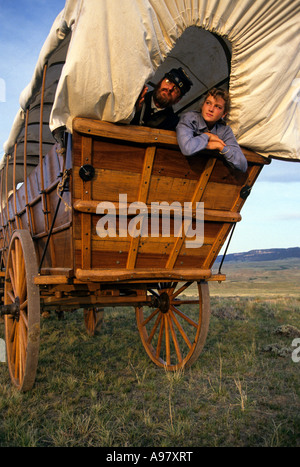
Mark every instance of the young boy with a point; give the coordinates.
(207, 130)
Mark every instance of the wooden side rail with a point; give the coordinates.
(213, 215)
(136, 134)
(144, 135)
(134, 275)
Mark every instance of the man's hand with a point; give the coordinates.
(141, 98)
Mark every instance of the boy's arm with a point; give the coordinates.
(232, 151)
(188, 142)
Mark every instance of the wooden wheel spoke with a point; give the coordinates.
(24, 305)
(16, 354)
(13, 330)
(167, 340)
(13, 347)
(11, 296)
(13, 261)
(182, 289)
(24, 318)
(146, 321)
(22, 349)
(11, 276)
(181, 330)
(22, 288)
(184, 316)
(154, 328)
(160, 336)
(174, 337)
(17, 260)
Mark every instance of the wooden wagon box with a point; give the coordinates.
(86, 230)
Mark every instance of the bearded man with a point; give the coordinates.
(155, 108)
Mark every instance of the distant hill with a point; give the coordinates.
(262, 255)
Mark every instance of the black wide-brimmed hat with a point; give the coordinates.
(179, 77)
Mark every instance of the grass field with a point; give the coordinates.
(264, 279)
(104, 391)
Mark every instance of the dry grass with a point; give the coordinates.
(104, 391)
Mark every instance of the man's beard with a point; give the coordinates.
(162, 101)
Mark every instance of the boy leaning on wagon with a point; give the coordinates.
(155, 108)
(206, 129)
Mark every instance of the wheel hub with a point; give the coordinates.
(12, 309)
(164, 302)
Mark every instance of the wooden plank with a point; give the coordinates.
(214, 215)
(198, 194)
(169, 162)
(220, 196)
(130, 275)
(255, 158)
(217, 278)
(142, 197)
(86, 188)
(144, 135)
(107, 184)
(110, 154)
(50, 279)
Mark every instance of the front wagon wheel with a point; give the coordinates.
(22, 330)
(174, 333)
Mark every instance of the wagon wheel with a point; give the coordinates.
(93, 319)
(174, 333)
(22, 331)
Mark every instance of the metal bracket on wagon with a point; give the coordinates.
(245, 192)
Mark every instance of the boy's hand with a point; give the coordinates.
(215, 142)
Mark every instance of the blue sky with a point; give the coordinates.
(271, 214)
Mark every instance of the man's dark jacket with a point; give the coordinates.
(165, 119)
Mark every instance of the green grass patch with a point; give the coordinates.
(104, 391)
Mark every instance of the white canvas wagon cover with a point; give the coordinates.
(110, 48)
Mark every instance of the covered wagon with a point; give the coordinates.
(96, 212)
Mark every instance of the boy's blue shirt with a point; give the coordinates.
(191, 139)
